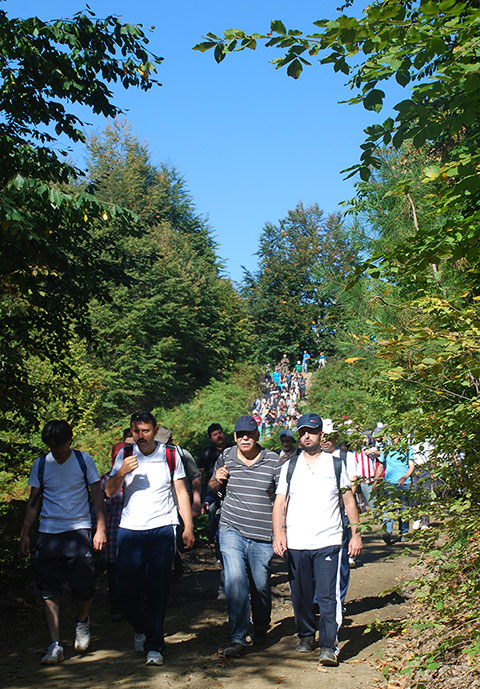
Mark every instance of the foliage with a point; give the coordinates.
(177, 322)
(51, 262)
(429, 47)
(221, 401)
(290, 305)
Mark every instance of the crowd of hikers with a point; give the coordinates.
(300, 502)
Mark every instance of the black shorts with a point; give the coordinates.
(65, 558)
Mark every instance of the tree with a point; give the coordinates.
(177, 323)
(51, 262)
(429, 47)
(291, 307)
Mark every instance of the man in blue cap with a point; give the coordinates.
(312, 491)
(289, 446)
(250, 474)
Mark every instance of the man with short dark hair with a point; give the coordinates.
(146, 538)
(250, 473)
(209, 456)
(289, 446)
(308, 526)
(60, 481)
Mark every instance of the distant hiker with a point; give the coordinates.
(127, 440)
(149, 474)
(322, 360)
(308, 526)
(250, 474)
(208, 457)
(398, 464)
(193, 486)
(60, 481)
(305, 361)
(289, 446)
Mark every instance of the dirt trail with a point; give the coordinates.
(197, 629)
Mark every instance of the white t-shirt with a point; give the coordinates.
(314, 519)
(65, 505)
(148, 500)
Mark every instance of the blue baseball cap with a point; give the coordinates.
(309, 421)
(287, 433)
(245, 423)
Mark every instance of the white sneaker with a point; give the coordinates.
(138, 642)
(82, 635)
(416, 524)
(154, 658)
(53, 655)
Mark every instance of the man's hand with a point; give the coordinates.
(355, 546)
(188, 538)
(100, 539)
(401, 480)
(129, 464)
(24, 544)
(221, 474)
(280, 544)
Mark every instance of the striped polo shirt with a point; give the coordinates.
(247, 506)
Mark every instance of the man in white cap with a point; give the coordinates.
(308, 526)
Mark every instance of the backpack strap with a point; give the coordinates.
(292, 463)
(41, 473)
(171, 459)
(339, 463)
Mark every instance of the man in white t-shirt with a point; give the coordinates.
(308, 526)
(146, 537)
(60, 481)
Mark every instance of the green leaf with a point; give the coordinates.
(278, 26)
(295, 69)
(374, 100)
(219, 52)
(204, 46)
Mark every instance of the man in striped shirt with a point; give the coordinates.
(250, 474)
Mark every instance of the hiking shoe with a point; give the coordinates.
(154, 658)
(82, 635)
(306, 644)
(328, 657)
(259, 639)
(387, 537)
(138, 642)
(234, 650)
(53, 655)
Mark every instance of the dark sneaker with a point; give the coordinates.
(234, 650)
(328, 657)
(306, 644)
(387, 537)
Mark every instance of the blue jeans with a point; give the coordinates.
(247, 571)
(403, 495)
(144, 569)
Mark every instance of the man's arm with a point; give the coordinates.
(196, 496)
(183, 504)
(355, 546)
(411, 469)
(279, 530)
(100, 537)
(31, 511)
(115, 482)
(378, 474)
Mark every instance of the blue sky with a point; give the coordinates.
(249, 141)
